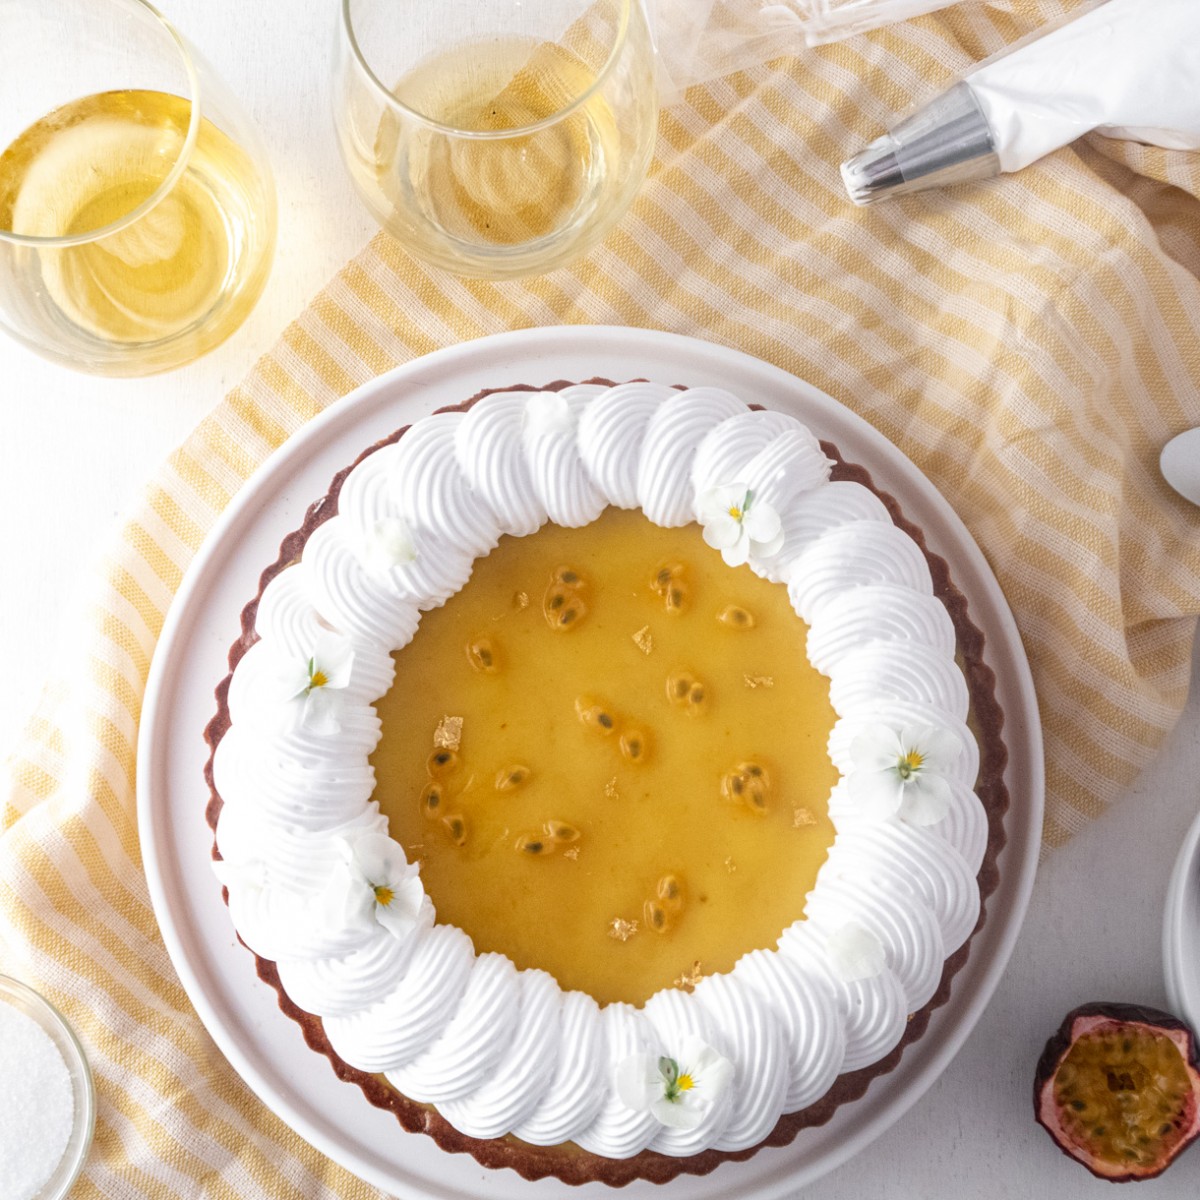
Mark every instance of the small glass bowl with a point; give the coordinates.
(25, 1000)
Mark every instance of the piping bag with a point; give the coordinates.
(1125, 68)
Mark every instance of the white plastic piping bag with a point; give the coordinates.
(700, 40)
(1127, 68)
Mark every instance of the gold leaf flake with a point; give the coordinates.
(621, 929)
(802, 817)
(610, 789)
(688, 980)
(448, 734)
(730, 865)
(571, 852)
(757, 681)
(643, 639)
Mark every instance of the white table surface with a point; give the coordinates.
(77, 451)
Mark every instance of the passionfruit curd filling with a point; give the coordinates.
(607, 752)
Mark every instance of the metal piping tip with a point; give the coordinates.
(948, 141)
(874, 172)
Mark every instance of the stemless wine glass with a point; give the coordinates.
(495, 138)
(137, 213)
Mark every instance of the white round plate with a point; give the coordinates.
(241, 1013)
(1181, 931)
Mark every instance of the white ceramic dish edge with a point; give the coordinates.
(1181, 931)
(218, 973)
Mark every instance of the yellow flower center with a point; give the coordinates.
(319, 679)
(910, 764)
(685, 1083)
(384, 895)
(735, 512)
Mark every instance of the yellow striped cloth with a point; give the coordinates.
(1030, 343)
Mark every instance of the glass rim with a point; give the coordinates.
(488, 135)
(169, 180)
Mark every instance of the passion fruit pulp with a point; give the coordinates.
(1118, 1088)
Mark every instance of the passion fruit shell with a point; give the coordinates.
(1118, 1088)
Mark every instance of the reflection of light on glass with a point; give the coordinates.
(137, 221)
(89, 165)
(500, 154)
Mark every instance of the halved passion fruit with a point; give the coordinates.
(1118, 1088)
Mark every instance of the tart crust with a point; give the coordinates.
(569, 1163)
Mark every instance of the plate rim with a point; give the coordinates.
(511, 350)
(1182, 888)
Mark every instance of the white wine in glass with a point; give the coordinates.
(497, 154)
(135, 231)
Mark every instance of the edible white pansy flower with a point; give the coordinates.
(392, 883)
(388, 544)
(678, 1091)
(903, 771)
(314, 684)
(342, 902)
(738, 524)
(855, 953)
(270, 913)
